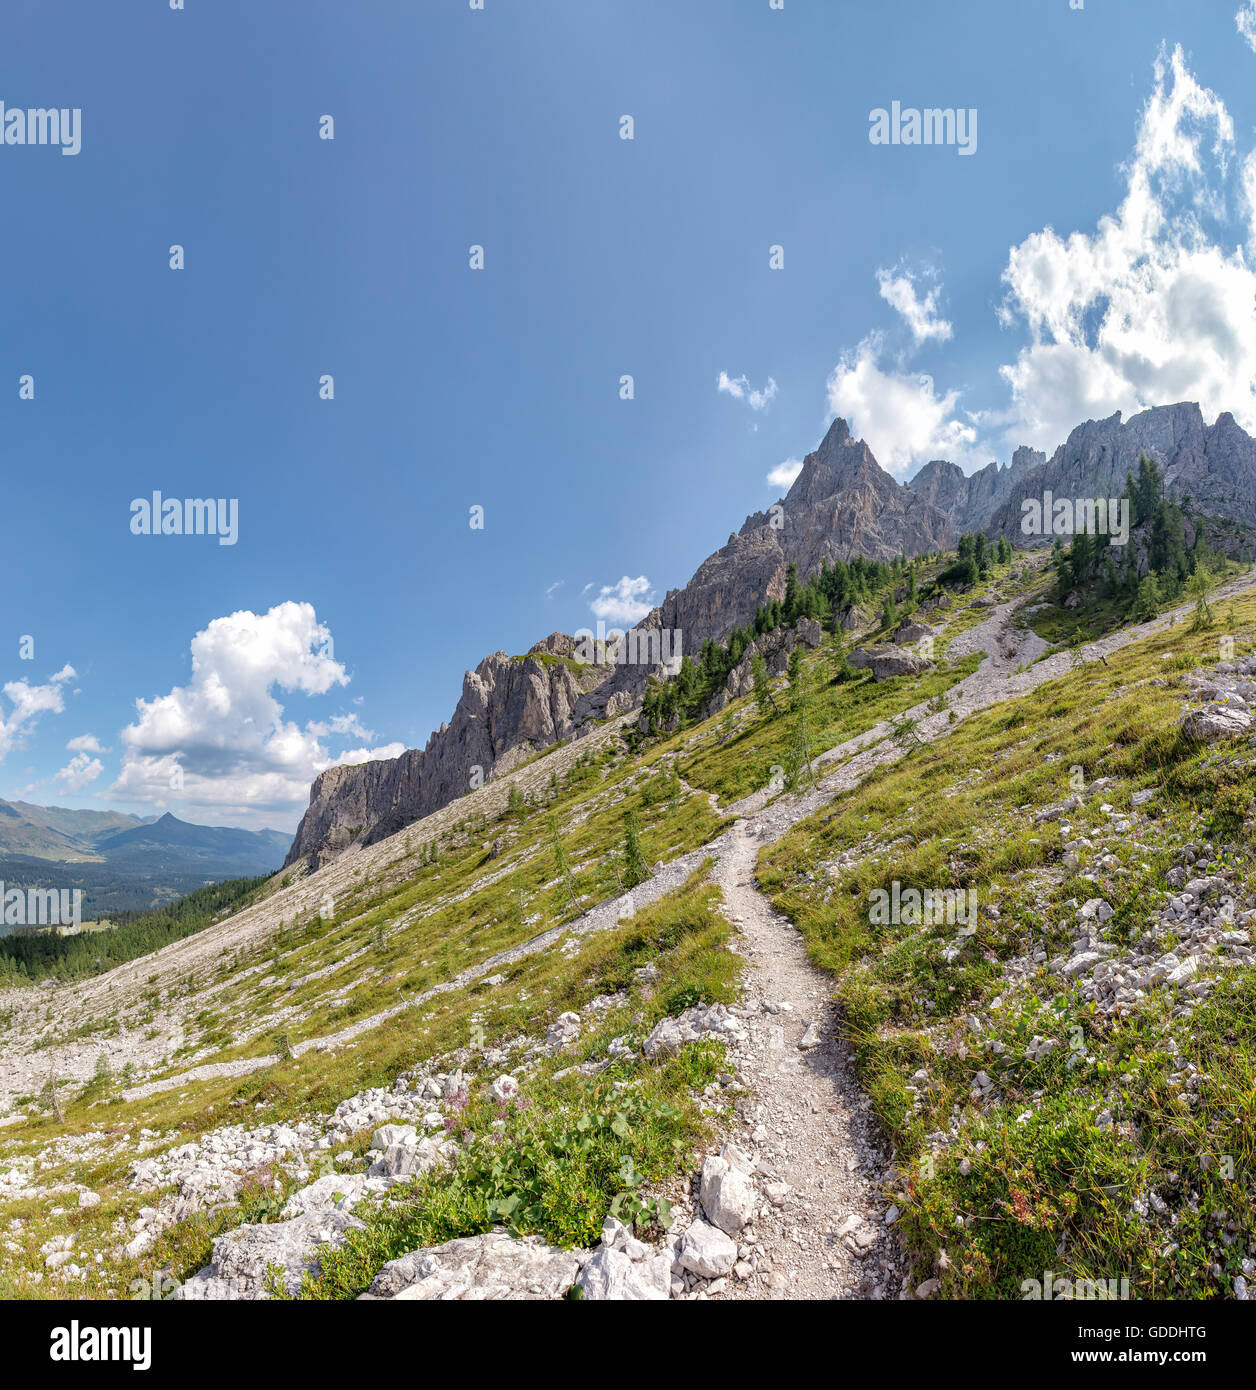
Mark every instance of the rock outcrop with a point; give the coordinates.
(511, 707)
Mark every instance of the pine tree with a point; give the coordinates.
(798, 759)
(1147, 600)
(843, 671)
(791, 593)
(636, 870)
(560, 860)
(762, 686)
(1200, 587)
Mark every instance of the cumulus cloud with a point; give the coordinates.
(85, 743)
(902, 416)
(624, 603)
(898, 289)
(1245, 23)
(740, 389)
(783, 475)
(27, 703)
(343, 724)
(1157, 305)
(222, 743)
(366, 755)
(78, 772)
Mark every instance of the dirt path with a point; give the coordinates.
(808, 1123)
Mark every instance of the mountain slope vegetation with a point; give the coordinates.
(542, 929)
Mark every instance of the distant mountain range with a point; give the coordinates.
(122, 861)
(842, 504)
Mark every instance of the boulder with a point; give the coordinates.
(504, 1088)
(475, 1268)
(888, 664)
(614, 1274)
(406, 1160)
(388, 1135)
(910, 633)
(243, 1258)
(706, 1251)
(329, 1192)
(669, 1035)
(1215, 722)
(727, 1195)
(565, 1029)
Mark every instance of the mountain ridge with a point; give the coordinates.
(841, 504)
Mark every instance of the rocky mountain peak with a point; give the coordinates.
(838, 465)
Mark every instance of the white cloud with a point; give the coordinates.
(224, 734)
(1157, 305)
(1245, 23)
(553, 588)
(366, 755)
(85, 743)
(28, 703)
(623, 603)
(344, 724)
(898, 289)
(901, 416)
(740, 389)
(78, 772)
(783, 475)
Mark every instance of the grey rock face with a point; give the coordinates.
(844, 503)
(510, 708)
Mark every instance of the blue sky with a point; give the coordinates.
(1090, 255)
